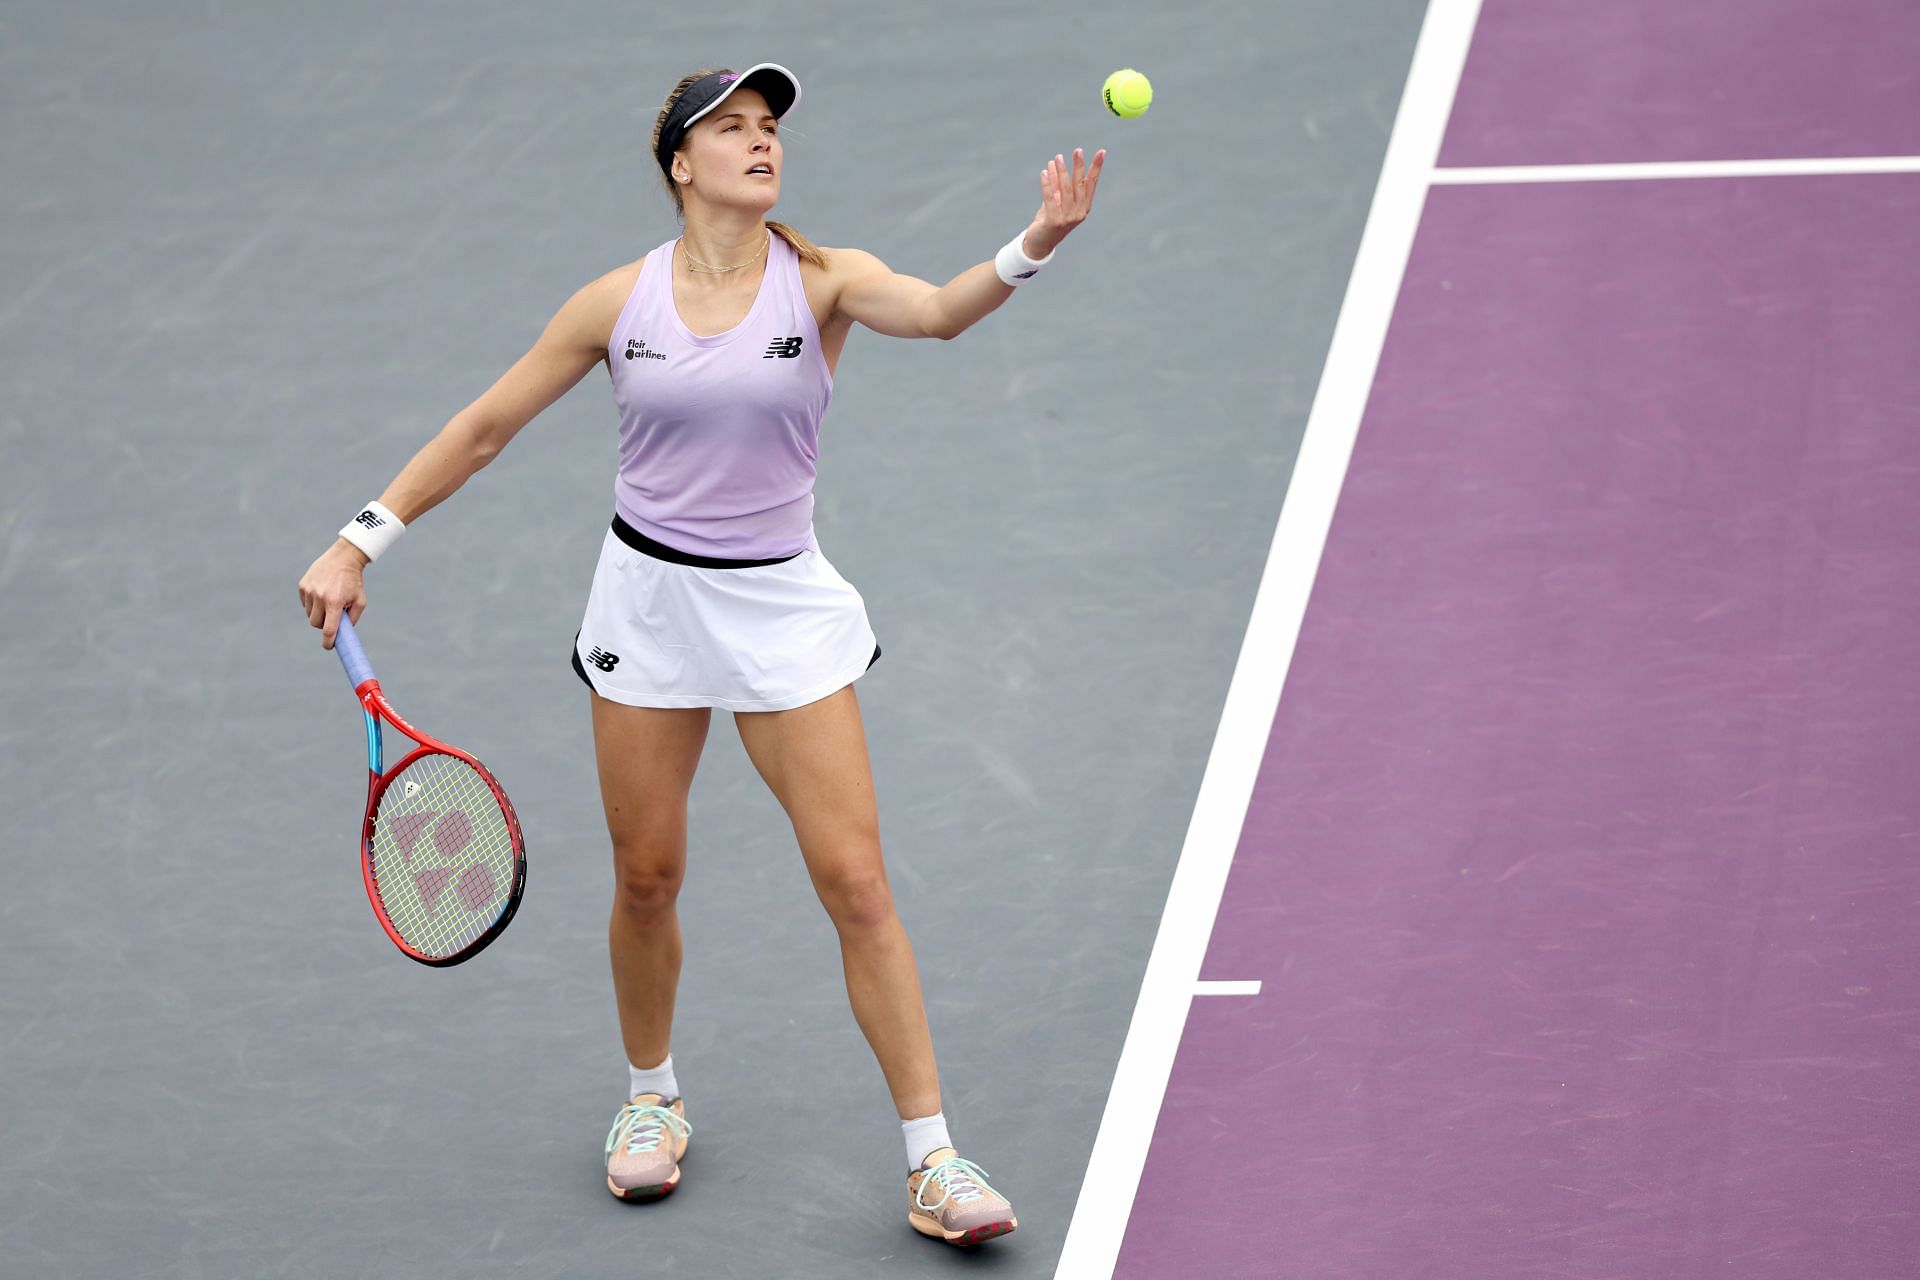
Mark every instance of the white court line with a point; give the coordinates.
(1676, 169)
(1227, 988)
(1193, 900)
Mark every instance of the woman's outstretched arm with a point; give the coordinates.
(906, 307)
(573, 342)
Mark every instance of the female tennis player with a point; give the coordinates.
(712, 591)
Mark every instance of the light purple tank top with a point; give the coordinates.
(719, 435)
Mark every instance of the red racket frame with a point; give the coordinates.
(374, 704)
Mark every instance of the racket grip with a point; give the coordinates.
(347, 644)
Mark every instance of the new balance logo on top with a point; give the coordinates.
(637, 350)
(602, 659)
(368, 520)
(785, 348)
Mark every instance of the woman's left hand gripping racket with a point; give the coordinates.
(440, 848)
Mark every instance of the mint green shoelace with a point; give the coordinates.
(643, 1125)
(961, 1181)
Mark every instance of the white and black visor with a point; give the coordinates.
(704, 96)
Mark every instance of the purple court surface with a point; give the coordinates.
(1582, 867)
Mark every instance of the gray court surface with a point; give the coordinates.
(255, 255)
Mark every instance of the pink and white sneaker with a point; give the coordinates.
(645, 1147)
(952, 1201)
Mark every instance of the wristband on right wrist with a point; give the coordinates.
(373, 530)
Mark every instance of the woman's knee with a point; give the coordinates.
(646, 882)
(857, 900)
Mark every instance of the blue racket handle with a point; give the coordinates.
(352, 656)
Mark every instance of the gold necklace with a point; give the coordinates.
(694, 264)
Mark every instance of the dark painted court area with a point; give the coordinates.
(255, 256)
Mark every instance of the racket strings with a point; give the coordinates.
(443, 854)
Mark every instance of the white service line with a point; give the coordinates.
(1227, 988)
(1193, 900)
(1676, 169)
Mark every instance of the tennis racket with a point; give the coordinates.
(440, 847)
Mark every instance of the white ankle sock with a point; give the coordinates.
(924, 1137)
(653, 1080)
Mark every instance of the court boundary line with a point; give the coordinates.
(1221, 987)
(1105, 1204)
(1644, 171)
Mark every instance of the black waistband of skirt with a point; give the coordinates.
(661, 551)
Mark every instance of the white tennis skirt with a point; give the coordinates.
(667, 629)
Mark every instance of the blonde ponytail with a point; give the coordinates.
(809, 251)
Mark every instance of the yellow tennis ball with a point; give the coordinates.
(1127, 94)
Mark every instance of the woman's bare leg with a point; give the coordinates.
(646, 757)
(814, 758)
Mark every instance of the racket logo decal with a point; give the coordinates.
(475, 887)
(474, 884)
(602, 659)
(431, 883)
(407, 829)
(785, 348)
(453, 833)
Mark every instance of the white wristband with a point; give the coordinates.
(373, 530)
(1014, 267)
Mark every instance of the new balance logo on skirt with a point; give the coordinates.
(785, 348)
(637, 350)
(368, 520)
(602, 659)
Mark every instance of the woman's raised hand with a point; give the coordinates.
(1066, 197)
